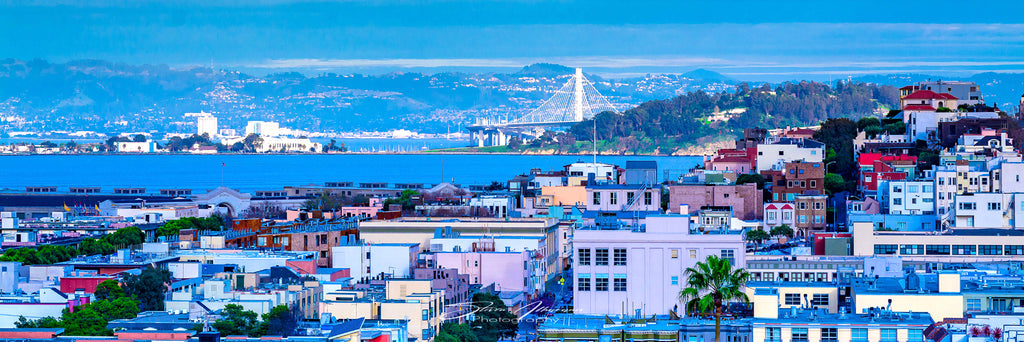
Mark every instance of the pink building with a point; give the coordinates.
(507, 271)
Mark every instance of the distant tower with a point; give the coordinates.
(577, 105)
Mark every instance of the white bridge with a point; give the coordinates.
(574, 102)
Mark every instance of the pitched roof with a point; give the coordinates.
(920, 107)
(928, 95)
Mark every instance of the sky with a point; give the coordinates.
(748, 40)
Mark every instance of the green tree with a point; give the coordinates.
(280, 321)
(838, 135)
(751, 178)
(460, 332)
(868, 121)
(109, 290)
(896, 128)
(445, 337)
(711, 283)
(125, 237)
(515, 142)
(148, 287)
(834, 183)
(236, 321)
(405, 200)
(173, 227)
(493, 321)
(757, 235)
(943, 110)
(783, 230)
(42, 323)
(139, 138)
(252, 142)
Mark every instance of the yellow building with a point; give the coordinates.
(411, 300)
(820, 295)
(564, 195)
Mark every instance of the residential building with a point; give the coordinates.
(910, 197)
(777, 214)
(391, 260)
(810, 213)
(643, 268)
(745, 200)
(400, 299)
(966, 245)
(797, 178)
(774, 155)
(623, 197)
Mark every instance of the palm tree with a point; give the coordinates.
(711, 283)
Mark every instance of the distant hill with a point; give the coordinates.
(112, 97)
(708, 75)
(1002, 89)
(545, 70)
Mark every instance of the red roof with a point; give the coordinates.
(787, 206)
(928, 95)
(771, 207)
(909, 87)
(920, 107)
(866, 159)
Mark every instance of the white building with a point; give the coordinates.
(148, 146)
(363, 260)
(263, 128)
(989, 210)
(275, 144)
(580, 171)
(909, 197)
(496, 205)
(622, 270)
(777, 214)
(206, 124)
(619, 197)
(775, 155)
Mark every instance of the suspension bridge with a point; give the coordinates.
(575, 101)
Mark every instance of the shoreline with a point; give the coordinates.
(345, 153)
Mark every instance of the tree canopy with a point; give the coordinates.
(171, 228)
(494, 321)
(148, 287)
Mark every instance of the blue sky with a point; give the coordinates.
(751, 40)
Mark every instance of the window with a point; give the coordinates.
(620, 257)
(911, 249)
(965, 250)
(693, 254)
(829, 335)
(897, 189)
(803, 205)
(1014, 250)
(973, 305)
(799, 335)
(675, 254)
(730, 255)
(937, 250)
(968, 206)
(597, 197)
(897, 201)
(814, 184)
(601, 282)
(819, 219)
(888, 335)
(995, 206)
(771, 216)
(584, 256)
(648, 198)
(819, 299)
(601, 256)
(629, 197)
(583, 282)
(803, 218)
(859, 335)
(885, 249)
(915, 335)
(612, 198)
(926, 188)
(773, 334)
(426, 314)
(990, 250)
(792, 299)
(818, 205)
(620, 283)
(675, 280)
